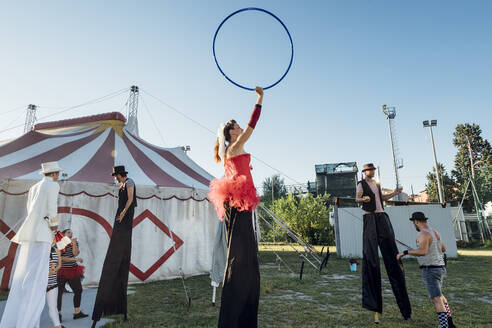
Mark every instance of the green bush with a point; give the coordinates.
(308, 216)
(488, 244)
(474, 244)
(461, 244)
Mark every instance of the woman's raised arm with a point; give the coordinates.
(241, 140)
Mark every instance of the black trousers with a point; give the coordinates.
(378, 231)
(241, 285)
(76, 286)
(111, 295)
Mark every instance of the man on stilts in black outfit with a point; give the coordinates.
(111, 295)
(378, 231)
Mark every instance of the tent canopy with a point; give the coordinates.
(88, 147)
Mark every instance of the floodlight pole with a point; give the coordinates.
(438, 175)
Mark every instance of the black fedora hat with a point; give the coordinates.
(418, 216)
(368, 167)
(119, 170)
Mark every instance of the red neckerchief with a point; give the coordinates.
(123, 184)
(58, 236)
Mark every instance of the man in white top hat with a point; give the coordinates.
(28, 290)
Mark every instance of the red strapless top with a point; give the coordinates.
(236, 187)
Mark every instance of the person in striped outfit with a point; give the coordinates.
(71, 272)
(52, 289)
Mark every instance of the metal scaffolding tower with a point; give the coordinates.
(30, 118)
(132, 123)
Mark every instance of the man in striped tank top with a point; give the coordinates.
(431, 260)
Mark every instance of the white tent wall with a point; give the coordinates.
(89, 209)
(348, 227)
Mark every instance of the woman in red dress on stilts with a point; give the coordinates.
(235, 198)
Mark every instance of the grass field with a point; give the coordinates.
(332, 299)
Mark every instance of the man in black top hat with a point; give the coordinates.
(378, 231)
(111, 294)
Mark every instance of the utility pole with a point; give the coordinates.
(272, 189)
(472, 165)
(379, 176)
(438, 174)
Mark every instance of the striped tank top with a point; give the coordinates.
(434, 256)
(52, 282)
(69, 253)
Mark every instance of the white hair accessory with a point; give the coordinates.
(221, 137)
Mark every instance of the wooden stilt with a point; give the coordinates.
(376, 318)
(214, 292)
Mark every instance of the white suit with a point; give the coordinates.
(42, 202)
(28, 290)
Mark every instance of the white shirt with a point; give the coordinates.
(42, 202)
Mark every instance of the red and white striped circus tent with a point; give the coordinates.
(87, 148)
(174, 223)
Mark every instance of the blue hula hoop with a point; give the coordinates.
(286, 30)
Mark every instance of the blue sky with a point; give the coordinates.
(430, 59)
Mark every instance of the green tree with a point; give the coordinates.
(472, 148)
(483, 181)
(279, 189)
(308, 216)
(449, 185)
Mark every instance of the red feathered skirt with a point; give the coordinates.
(71, 272)
(238, 192)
